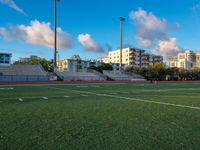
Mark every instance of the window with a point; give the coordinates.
(182, 57)
(5, 58)
(1, 59)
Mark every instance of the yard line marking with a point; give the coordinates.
(33, 97)
(84, 86)
(33, 85)
(66, 96)
(7, 88)
(20, 99)
(154, 102)
(135, 99)
(45, 98)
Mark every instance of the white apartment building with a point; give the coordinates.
(186, 60)
(132, 56)
(73, 64)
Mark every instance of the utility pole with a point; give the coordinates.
(121, 40)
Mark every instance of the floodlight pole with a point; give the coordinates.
(55, 35)
(121, 40)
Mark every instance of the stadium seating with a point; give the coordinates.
(118, 75)
(23, 73)
(80, 76)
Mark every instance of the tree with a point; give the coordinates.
(106, 66)
(102, 67)
(158, 71)
(46, 64)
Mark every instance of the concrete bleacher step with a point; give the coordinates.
(78, 76)
(23, 73)
(123, 76)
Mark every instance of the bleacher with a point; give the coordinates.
(80, 76)
(23, 73)
(122, 76)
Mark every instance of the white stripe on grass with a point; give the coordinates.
(82, 86)
(154, 102)
(10, 88)
(36, 85)
(30, 97)
(134, 99)
(20, 99)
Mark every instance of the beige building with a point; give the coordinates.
(198, 59)
(114, 56)
(73, 64)
(132, 56)
(186, 60)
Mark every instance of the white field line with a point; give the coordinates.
(32, 85)
(9, 88)
(84, 86)
(154, 102)
(66, 96)
(30, 97)
(12, 98)
(119, 97)
(20, 99)
(135, 99)
(45, 98)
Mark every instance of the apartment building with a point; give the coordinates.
(132, 56)
(73, 64)
(198, 59)
(186, 60)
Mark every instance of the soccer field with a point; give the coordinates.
(100, 116)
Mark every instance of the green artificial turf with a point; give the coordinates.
(100, 116)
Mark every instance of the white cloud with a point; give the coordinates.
(149, 28)
(89, 44)
(12, 4)
(38, 33)
(152, 32)
(167, 48)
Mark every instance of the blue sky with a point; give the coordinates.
(99, 19)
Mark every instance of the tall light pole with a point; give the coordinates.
(121, 40)
(55, 34)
